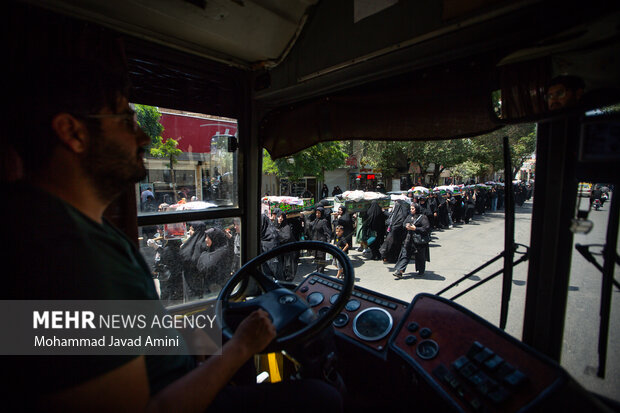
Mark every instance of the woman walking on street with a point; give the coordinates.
(320, 231)
(397, 233)
(268, 241)
(344, 218)
(416, 243)
(361, 230)
(286, 234)
(376, 225)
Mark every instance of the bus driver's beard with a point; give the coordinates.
(111, 168)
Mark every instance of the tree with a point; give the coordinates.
(148, 119)
(468, 169)
(522, 142)
(313, 161)
(391, 156)
(388, 156)
(167, 149)
(442, 155)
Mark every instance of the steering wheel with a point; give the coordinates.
(287, 310)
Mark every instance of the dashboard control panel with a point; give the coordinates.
(368, 317)
(474, 364)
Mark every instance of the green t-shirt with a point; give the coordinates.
(57, 253)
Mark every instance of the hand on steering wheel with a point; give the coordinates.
(291, 315)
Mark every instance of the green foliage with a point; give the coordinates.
(148, 119)
(167, 149)
(313, 161)
(468, 169)
(443, 154)
(269, 165)
(522, 141)
(465, 158)
(475, 157)
(390, 156)
(387, 156)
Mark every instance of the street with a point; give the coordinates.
(458, 251)
(454, 253)
(579, 352)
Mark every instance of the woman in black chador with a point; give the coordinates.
(458, 213)
(376, 224)
(480, 200)
(286, 234)
(470, 206)
(344, 218)
(320, 231)
(416, 243)
(425, 209)
(268, 241)
(190, 253)
(443, 209)
(324, 192)
(169, 270)
(214, 263)
(396, 235)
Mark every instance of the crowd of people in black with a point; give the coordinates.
(409, 225)
(202, 261)
(402, 233)
(194, 265)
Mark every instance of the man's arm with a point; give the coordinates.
(126, 388)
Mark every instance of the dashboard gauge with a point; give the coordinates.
(323, 311)
(372, 324)
(353, 305)
(333, 298)
(341, 320)
(315, 298)
(427, 349)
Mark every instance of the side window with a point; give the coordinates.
(188, 216)
(191, 161)
(191, 260)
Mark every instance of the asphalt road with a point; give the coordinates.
(458, 251)
(581, 329)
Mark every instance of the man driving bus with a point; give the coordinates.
(80, 146)
(564, 92)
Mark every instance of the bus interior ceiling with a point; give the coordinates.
(404, 70)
